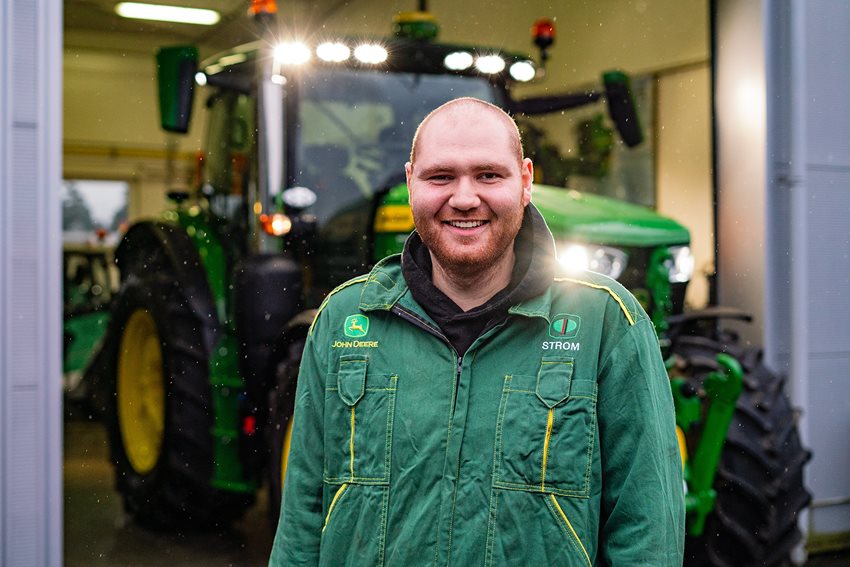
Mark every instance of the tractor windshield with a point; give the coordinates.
(354, 128)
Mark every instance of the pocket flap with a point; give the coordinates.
(351, 378)
(554, 379)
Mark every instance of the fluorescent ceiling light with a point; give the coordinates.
(158, 12)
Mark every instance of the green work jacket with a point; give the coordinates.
(551, 442)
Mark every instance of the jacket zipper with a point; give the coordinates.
(418, 323)
(415, 321)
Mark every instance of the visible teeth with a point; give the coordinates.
(466, 224)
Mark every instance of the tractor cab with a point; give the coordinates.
(337, 120)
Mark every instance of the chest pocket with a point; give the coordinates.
(546, 431)
(359, 409)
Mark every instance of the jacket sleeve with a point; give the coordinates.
(300, 526)
(643, 513)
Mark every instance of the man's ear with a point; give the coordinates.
(527, 176)
(408, 173)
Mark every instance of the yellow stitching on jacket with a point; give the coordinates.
(351, 442)
(569, 525)
(328, 297)
(546, 447)
(606, 288)
(333, 503)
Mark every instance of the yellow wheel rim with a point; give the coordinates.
(284, 454)
(141, 392)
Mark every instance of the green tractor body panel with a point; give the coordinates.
(87, 331)
(595, 219)
(571, 215)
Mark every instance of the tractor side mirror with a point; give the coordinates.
(176, 68)
(621, 107)
(618, 94)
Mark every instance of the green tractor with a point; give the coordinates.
(89, 282)
(302, 188)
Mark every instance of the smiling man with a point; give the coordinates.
(434, 422)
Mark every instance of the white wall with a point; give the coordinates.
(30, 284)
(684, 161)
(808, 189)
(111, 119)
(741, 155)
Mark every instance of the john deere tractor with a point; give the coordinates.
(302, 188)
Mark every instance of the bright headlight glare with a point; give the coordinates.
(490, 64)
(292, 53)
(522, 71)
(575, 258)
(458, 60)
(682, 269)
(333, 52)
(370, 53)
(201, 78)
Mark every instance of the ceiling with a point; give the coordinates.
(98, 17)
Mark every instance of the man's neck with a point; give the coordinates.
(471, 290)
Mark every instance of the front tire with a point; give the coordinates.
(759, 481)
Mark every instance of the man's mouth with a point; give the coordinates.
(465, 223)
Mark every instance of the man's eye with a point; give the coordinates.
(490, 176)
(439, 178)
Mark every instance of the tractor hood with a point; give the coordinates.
(584, 217)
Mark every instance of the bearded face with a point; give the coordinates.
(468, 190)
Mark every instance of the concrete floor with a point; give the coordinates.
(97, 532)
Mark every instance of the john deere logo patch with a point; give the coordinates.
(356, 326)
(565, 326)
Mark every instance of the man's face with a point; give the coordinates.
(468, 189)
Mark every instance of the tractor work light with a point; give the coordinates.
(292, 53)
(458, 60)
(276, 224)
(160, 13)
(201, 78)
(523, 71)
(682, 268)
(370, 53)
(333, 52)
(605, 260)
(490, 64)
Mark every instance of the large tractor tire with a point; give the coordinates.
(759, 482)
(160, 416)
(282, 404)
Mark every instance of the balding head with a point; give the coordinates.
(466, 107)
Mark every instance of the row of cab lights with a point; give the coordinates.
(296, 53)
(373, 54)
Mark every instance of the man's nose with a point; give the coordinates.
(465, 195)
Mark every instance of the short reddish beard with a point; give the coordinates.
(470, 261)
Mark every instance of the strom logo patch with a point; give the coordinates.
(565, 326)
(356, 326)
